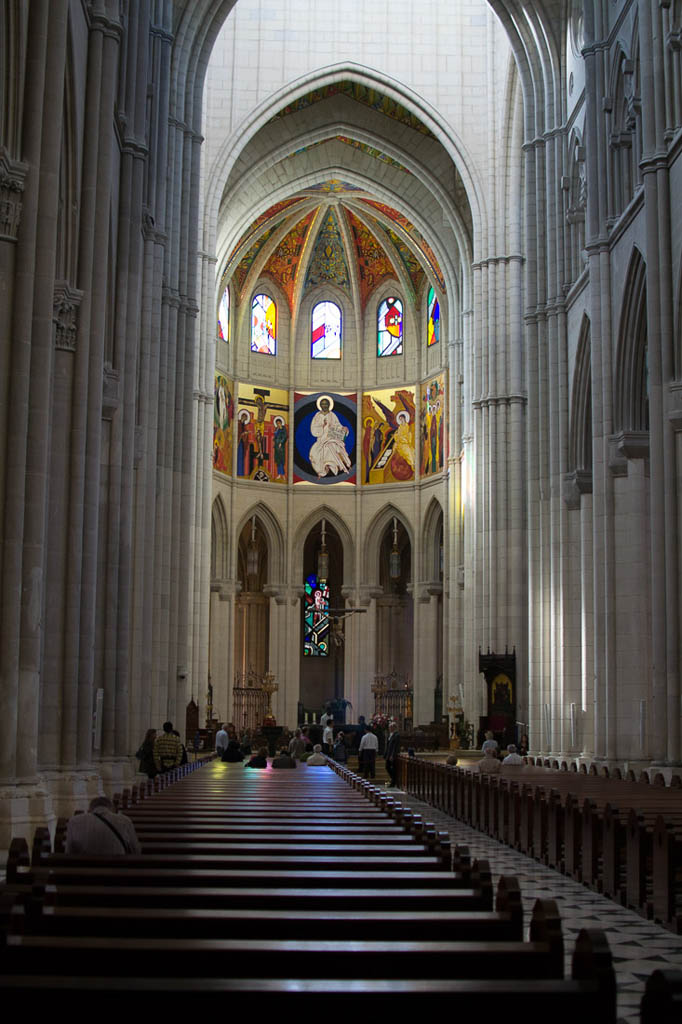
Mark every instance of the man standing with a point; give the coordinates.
(328, 736)
(369, 744)
(167, 749)
(221, 741)
(392, 751)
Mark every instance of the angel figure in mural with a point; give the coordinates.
(328, 454)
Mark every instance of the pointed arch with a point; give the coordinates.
(580, 429)
(371, 559)
(433, 536)
(631, 398)
(220, 541)
(273, 535)
(304, 528)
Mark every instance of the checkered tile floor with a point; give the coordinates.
(639, 947)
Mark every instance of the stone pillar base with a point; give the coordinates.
(23, 808)
(72, 790)
(117, 773)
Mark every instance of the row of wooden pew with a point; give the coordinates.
(621, 837)
(285, 886)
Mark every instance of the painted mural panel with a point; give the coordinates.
(263, 434)
(432, 425)
(324, 438)
(388, 436)
(223, 414)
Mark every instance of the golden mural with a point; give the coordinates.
(388, 436)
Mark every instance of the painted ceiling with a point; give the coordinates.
(361, 94)
(333, 242)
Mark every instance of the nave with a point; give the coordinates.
(257, 878)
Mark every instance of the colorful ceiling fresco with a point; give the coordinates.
(362, 146)
(373, 263)
(361, 94)
(410, 261)
(271, 212)
(411, 230)
(328, 262)
(283, 263)
(334, 185)
(365, 245)
(245, 264)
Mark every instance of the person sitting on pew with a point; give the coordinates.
(489, 763)
(232, 753)
(101, 832)
(317, 757)
(284, 759)
(513, 757)
(259, 760)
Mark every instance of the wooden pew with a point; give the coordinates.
(589, 993)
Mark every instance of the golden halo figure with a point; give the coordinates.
(325, 398)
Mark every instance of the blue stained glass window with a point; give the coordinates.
(224, 316)
(325, 336)
(433, 323)
(264, 325)
(390, 328)
(316, 617)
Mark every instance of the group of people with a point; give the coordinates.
(160, 753)
(492, 762)
(302, 748)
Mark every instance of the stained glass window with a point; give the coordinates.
(390, 328)
(224, 316)
(325, 337)
(433, 323)
(264, 325)
(316, 617)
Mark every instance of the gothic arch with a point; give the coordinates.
(220, 541)
(304, 528)
(433, 525)
(625, 128)
(274, 537)
(631, 404)
(580, 436)
(576, 207)
(372, 543)
(346, 71)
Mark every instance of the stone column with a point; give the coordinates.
(596, 234)
(221, 647)
(426, 651)
(28, 434)
(665, 625)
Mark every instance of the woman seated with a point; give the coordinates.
(259, 760)
(232, 753)
(284, 759)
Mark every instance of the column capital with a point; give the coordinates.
(65, 305)
(12, 178)
(574, 485)
(362, 595)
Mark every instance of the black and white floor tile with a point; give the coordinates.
(639, 947)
